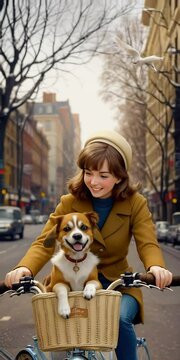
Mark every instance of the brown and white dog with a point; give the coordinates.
(74, 265)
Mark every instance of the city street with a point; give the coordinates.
(162, 315)
(90, 119)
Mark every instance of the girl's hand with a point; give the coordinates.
(15, 275)
(163, 277)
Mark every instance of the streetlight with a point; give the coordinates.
(3, 193)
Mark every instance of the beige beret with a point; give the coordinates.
(115, 140)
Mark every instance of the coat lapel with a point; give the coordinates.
(82, 206)
(114, 220)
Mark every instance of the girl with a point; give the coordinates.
(102, 185)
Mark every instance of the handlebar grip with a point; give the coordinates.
(3, 287)
(25, 285)
(175, 280)
(149, 278)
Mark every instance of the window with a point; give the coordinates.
(17, 215)
(47, 125)
(40, 110)
(49, 109)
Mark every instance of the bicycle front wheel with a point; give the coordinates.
(142, 349)
(25, 355)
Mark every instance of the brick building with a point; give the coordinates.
(62, 130)
(26, 172)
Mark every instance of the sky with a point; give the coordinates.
(81, 87)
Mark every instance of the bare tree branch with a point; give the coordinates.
(39, 36)
(36, 37)
(126, 83)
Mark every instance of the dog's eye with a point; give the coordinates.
(67, 228)
(83, 227)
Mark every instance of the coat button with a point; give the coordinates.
(101, 250)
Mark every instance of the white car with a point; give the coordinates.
(27, 218)
(11, 222)
(162, 229)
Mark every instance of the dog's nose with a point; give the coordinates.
(77, 237)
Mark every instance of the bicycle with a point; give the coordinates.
(33, 352)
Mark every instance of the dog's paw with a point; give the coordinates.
(89, 291)
(64, 311)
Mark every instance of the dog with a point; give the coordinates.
(74, 265)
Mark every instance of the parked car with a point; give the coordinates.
(162, 228)
(177, 242)
(172, 234)
(42, 219)
(27, 219)
(35, 218)
(35, 213)
(174, 229)
(11, 222)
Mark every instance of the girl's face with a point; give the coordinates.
(100, 182)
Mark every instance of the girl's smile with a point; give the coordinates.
(100, 182)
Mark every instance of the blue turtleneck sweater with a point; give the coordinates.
(103, 208)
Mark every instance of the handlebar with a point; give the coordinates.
(130, 279)
(29, 285)
(26, 284)
(150, 279)
(3, 287)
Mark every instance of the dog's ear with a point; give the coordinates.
(92, 217)
(51, 237)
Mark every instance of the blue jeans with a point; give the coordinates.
(126, 348)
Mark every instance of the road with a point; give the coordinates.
(162, 315)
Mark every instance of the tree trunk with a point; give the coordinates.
(3, 124)
(164, 210)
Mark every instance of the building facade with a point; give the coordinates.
(26, 171)
(63, 135)
(35, 167)
(163, 107)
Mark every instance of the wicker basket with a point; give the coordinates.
(92, 324)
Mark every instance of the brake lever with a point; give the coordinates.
(17, 292)
(158, 288)
(155, 287)
(168, 288)
(7, 292)
(139, 283)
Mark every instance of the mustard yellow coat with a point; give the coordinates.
(130, 217)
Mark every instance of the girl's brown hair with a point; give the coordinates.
(92, 157)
